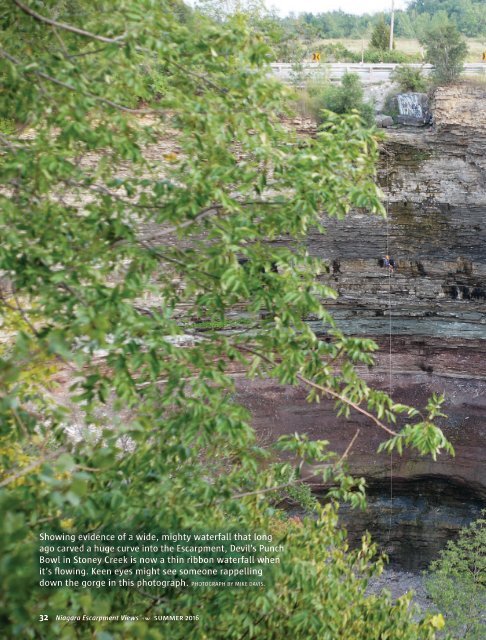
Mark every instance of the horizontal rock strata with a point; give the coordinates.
(434, 182)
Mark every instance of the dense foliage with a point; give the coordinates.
(220, 10)
(140, 271)
(457, 582)
(468, 15)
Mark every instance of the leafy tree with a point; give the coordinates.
(404, 25)
(380, 36)
(424, 22)
(468, 15)
(284, 45)
(222, 9)
(457, 582)
(131, 234)
(446, 50)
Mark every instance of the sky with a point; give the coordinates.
(284, 7)
(320, 6)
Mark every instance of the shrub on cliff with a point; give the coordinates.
(115, 246)
(409, 79)
(346, 98)
(457, 582)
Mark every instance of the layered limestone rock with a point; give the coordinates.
(435, 185)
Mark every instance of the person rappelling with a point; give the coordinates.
(390, 263)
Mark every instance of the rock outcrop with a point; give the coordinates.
(435, 185)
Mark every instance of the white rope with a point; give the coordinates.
(390, 371)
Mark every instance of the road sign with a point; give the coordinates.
(316, 57)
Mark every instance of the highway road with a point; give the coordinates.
(369, 73)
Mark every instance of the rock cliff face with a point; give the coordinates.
(435, 185)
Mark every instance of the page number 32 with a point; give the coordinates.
(43, 617)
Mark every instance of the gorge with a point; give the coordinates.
(434, 180)
(434, 183)
(169, 274)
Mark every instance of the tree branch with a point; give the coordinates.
(345, 400)
(212, 210)
(30, 467)
(299, 480)
(327, 391)
(348, 448)
(70, 87)
(67, 27)
(118, 40)
(160, 255)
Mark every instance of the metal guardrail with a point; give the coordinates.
(369, 73)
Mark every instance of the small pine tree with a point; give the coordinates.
(380, 36)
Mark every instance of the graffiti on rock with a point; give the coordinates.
(410, 105)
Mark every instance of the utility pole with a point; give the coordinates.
(392, 24)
